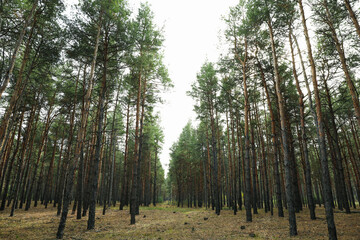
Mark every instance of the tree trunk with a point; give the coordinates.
(288, 184)
(264, 161)
(5, 155)
(143, 96)
(95, 170)
(155, 175)
(41, 175)
(18, 90)
(321, 134)
(80, 184)
(12, 160)
(57, 181)
(304, 143)
(352, 16)
(49, 177)
(113, 147)
(247, 140)
(230, 166)
(81, 136)
(215, 159)
(233, 144)
(275, 143)
(338, 158)
(28, 166)
(125, 168)
(39, 157)
(9, 72)
(254, 167)
(134, 187)
(340, 50)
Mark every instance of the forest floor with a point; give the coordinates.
(168, 222)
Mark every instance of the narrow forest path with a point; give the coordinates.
(167, 222)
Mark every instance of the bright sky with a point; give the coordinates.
(191, 30)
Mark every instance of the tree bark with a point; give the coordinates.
(81, 135)
(113, 147)
(18, 90)
(215, 161)
(125, 168)
(141, 137)
(284, 134)
(254, 167)
(155, 175)
(352, 16)
(12, 160)
(275, 143)
(264, 161)
(304, 143)
(134, 187)
(49, 177)
(246, 132)
(9, 72)
(338, 158)
(340, 50)
(322, 145)
(39, 157)
(99, 137)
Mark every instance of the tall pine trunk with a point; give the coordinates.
(94, 172)
(254, 168)
(155, 176)
(344, 66)
(19, 41)
(274, 143)
(9, 170)
(321, 134)
(39, 157)
(338, 158)
(134, 195)
(352, 16)
(304, 143)
(124, 182)
(284, 134)
(247, 197)
(81, 136)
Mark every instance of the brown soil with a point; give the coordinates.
(162, 223)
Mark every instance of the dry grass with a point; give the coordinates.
(166, 222)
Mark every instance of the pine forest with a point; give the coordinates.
(272, 153)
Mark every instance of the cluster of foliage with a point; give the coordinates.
(78, 93)
(276, 128)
